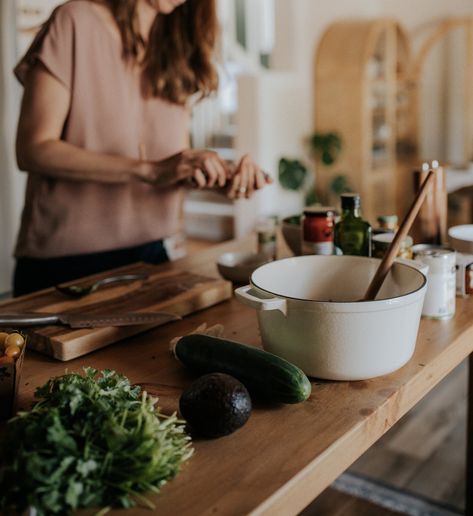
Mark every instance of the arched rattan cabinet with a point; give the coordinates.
(363, 93)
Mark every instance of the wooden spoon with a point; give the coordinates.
(400, 235)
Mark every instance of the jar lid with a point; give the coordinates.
(387, 219)
(319, 211)
(443, 253)
(419, 248)
(387, 238)
(438, 260)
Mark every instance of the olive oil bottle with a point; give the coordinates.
(352, 234)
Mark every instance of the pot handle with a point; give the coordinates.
(247, 296)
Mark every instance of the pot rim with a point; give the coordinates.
(340, 303)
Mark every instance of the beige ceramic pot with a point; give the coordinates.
(309, 314)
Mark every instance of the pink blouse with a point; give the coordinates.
(108, 114)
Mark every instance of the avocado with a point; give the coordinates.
(216, 404)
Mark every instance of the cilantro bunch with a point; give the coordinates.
(92, 441)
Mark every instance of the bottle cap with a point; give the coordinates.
(350, 201)
(320, 211)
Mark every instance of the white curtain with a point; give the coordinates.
(12, 182)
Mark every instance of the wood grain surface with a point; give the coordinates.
(285, 455)
(177, 291)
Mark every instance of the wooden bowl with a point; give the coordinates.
(238, 267)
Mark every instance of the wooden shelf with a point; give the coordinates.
(347, 102)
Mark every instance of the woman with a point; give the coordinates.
(103, 134)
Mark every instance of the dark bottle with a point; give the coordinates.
(352, 234)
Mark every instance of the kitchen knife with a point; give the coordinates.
(85, 320)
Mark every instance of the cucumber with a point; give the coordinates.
(266, 376)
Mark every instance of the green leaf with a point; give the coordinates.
(73, 493)
(326, 147)
(292, 174)
(92, 440)
(311, 198)
(340, 185)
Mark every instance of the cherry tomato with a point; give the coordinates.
(3, 336)
(12, 351)
(14, 339)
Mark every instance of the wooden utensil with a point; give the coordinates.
(401, 234)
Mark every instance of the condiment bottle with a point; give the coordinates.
(439, 301)
(266, 236)
(382, 241)
(317, 230)
(386, 224)
(352, 234)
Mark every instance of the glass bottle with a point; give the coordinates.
(352, 234)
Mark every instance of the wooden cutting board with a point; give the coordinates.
(177, 291)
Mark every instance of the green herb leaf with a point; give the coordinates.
(292, 174)
(92, 440)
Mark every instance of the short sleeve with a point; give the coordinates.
(53, 47)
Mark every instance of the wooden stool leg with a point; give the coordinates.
(469, 442)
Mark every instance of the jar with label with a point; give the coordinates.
(352, 234)
(266, 232)
(382, 241)
(439, 302)
(317, 230)
(386, 224)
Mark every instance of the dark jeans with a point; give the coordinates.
(33, 274)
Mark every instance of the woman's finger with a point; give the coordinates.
(211, 171)
(244, 181)
(235, 186)
(220, 170)
(260, 179)
(199, 177)
(251, 181)
(225, 171)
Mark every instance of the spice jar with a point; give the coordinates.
(317, 230)
(266, 237)
(382, 241)
(439, 302)
(386, 224)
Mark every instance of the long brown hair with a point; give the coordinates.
(178, 58)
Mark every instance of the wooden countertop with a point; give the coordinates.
(286, 455)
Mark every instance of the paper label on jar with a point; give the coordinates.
(324, 248)
(268, 248)
(439, 302)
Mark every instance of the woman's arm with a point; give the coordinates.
(40, 150)
(39, 147)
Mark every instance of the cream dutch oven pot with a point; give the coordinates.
(309, 313)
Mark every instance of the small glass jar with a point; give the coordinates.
(266, 233)
(439, 302)
(382, 242)
(317, 230)
(386, 224)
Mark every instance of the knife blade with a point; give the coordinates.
(85, 320)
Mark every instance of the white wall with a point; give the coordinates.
(11, 181)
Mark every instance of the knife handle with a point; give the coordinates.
(28, 319)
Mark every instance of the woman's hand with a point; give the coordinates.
(247, 178)
(193, 167)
